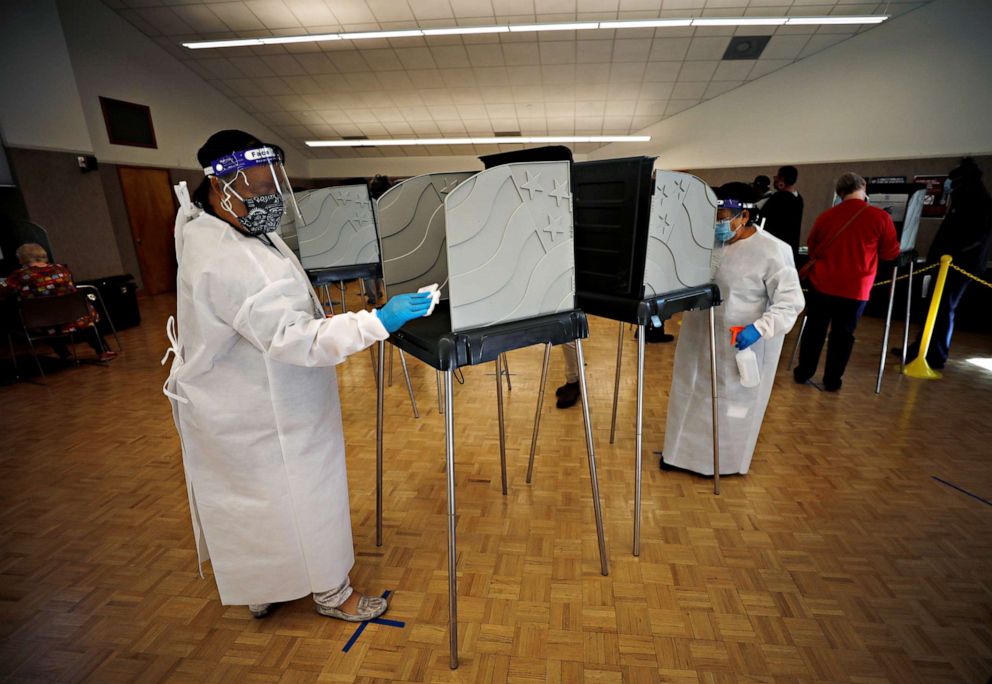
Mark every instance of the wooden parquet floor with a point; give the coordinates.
(837, 559)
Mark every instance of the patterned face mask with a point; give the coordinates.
(264, 211)
(264, 214)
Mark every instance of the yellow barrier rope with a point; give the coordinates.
(903, 277)
(973, 277)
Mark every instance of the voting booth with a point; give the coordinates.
(500, 244)
(904, 203)
(338, 241)
(643, 247)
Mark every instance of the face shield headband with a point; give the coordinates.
(266, 212)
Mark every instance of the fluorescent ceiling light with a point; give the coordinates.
(412, 33)
(316, 38)
(465, 30)
(644, 23)
(222, 43)
(741, 21)
(815, 21)
(526, 28)
(579, 26)
(500, 140)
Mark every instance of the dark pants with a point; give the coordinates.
(943, 328)
(841, 316)
(88, 335)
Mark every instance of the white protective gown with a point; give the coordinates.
(255, 399)
(759, 284)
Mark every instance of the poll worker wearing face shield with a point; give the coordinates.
(254, 390)
(762, 297)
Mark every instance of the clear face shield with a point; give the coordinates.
(255, 191)
(728, 213)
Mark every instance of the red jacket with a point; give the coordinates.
(846, 267)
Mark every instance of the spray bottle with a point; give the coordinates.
(747, 362)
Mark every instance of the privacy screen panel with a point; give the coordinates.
(338, 227)
(412, 232)
(680, 234)
(510, 244)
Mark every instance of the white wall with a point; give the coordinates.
(59, 56)
(916, 86)
(39, 103)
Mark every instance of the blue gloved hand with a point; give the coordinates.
(395, 313)
(747, 337)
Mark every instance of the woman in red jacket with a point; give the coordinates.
(846, 243)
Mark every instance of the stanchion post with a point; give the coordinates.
(919, 368)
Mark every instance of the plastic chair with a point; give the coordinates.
(43, 313)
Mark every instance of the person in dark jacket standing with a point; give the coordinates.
(966, 235)
(783, 211)
(846, 243)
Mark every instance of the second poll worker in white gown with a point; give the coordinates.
(759, 285)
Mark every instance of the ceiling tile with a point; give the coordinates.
(697, 71)
(733, 70)
(707, 48)
(763, 67)
(784, 47)
(688, 90)
(557, 52)
(716, 88)
(669, 49)
(631, 50)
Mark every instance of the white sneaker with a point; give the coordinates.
(259, 610)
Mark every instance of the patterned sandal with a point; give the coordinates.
(369, 608)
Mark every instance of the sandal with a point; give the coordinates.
(369, 608)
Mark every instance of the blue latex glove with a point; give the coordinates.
(395, 313)
(747, 337)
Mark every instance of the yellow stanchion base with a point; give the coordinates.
(921, 369)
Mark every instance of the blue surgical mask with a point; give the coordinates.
(724, 231)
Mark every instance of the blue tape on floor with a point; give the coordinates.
(963, 491)
(378, 621)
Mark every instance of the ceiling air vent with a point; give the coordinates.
(506, 134)
(746, 47)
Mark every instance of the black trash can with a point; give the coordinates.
(119, 294)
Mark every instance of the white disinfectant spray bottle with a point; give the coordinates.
(747, 361)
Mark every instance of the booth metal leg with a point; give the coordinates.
(375, 365)
(449, 452)
(795, 349)
(616, 384)
(389, 378)
(909, 309)
(344, 304)
(716, 408)
(378, 447)
(537, 412)
(327, 295)
(885, 333)
(638, 440)
(409, 385)
(440, 406)
(506, 371)
(604, 566)
(502, 427)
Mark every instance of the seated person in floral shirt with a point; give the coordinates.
(38, 278)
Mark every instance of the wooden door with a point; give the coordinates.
(151, 210)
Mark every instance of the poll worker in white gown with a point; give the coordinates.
(254, 390)
(760, 288)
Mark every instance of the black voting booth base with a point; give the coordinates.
(431, 340)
